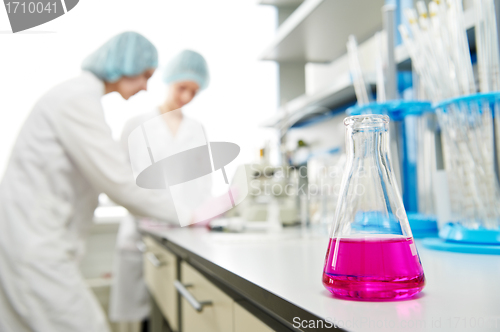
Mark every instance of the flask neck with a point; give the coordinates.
(367, 143)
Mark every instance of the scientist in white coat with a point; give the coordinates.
(185, 75)
(64, 157)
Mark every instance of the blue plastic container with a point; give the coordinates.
(470, 152)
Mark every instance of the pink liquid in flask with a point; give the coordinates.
(378, 268)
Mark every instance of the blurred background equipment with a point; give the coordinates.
(441, 54)
(439, 47)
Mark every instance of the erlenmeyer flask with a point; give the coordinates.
(371, 254)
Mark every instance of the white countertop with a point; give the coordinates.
(462, 291)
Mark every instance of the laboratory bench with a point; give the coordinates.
(213, 281)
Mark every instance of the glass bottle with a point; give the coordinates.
(371, 254)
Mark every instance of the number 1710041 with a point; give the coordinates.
(25, 7)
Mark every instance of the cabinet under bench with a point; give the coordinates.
(191, 298)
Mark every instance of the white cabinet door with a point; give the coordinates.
(160, 272)
(217, 317)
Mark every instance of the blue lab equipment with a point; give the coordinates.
(468, 135)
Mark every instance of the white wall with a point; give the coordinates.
(229, 33)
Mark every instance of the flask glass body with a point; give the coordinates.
(371, 253)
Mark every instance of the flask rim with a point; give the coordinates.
(367, 121)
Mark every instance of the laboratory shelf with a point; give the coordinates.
(317, 31)
(307, 106)
(281, 3)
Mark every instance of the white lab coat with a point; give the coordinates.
(129, 296)
(63, 158)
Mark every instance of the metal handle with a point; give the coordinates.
(182, 289)
(154, 260)
(141, 246)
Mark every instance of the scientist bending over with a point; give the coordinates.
(185, 75)
(62, 160)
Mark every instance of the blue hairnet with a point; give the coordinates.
(127, 54)
(187, 66)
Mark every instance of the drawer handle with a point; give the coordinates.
(154, 260)
(141, 246)
(182, 289)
